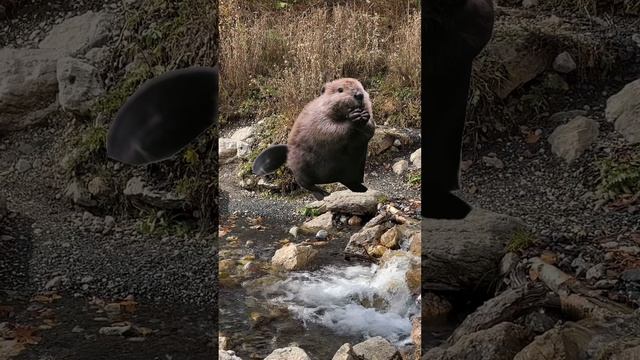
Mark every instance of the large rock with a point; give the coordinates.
(615, 339)
(384, 138)
(520, 61)
(288, 353)
(569, 141)
(345, 352)
(294, 256)
(322, 222)
(79, 85)
(230, 150)
(28, 87)
(623, 109)
(501, 342)
(354, 203)
(137, 191)
(465, 254)
(227, 355)
(79, 34)
(376, 348)
(416, 158)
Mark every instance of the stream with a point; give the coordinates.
(332, 302)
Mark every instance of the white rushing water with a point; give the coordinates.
(356, 300)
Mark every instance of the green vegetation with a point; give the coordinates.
(521, 240)
(619, 176)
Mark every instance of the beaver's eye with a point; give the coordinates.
(340, 90)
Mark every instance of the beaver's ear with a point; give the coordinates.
(322, 90)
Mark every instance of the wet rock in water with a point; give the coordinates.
(345, 352)
(434, 308)
(76, 192)
(618, 337)
(466, 254)
(294, 256)
(322, 222)
(79, 33)
(416, 331)
(79, 85)
(353, 203)
(623, 110)
(569, 141)
(376, 348)
(416, 158)
(137, 191)
(564, 63)
(360, 242)
(400, 167)
(390, 238)
(500, 342)
(415, 247)
(288, 353)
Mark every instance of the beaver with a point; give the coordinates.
(328, 141)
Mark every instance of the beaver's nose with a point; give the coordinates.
(359, 96)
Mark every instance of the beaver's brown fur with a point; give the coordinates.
(328, 140)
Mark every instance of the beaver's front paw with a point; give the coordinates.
(359, 116)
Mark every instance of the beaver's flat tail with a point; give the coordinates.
(270, 159)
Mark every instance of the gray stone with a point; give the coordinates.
(529, 3)
(243, 134)
(569, 141)
(322, 222)
(115, 330)
(137, 191)
(493, 162)
(400, 167)
(623, 109)
(596, 272)
(376, 348)
(631, 275)
(466, 253)
(294, 256)
(76, 192)
(28, 87)
(80, 33)
(416, 158)
(79, 85)
(345, 352)
(288, 353)
(23, 165)
(354, 203)
(227, 355)
(564, 63)
(501, 342)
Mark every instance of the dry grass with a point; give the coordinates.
(275, 62)
(597, 7)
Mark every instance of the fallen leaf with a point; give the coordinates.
(129, 305)
(25, 335)
(46, 298)
(532, 137)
